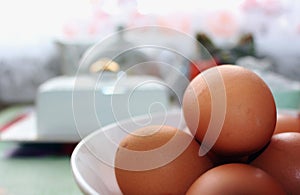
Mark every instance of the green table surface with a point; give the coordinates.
(49, 174)
(34, 174)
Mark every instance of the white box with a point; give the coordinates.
(74, 107)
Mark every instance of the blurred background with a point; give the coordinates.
(42, 39)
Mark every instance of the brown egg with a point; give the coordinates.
(230, 109)
(235, 179)
(158, 160)
(287, 123)
(281, 160)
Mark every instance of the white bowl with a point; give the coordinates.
(93, 158)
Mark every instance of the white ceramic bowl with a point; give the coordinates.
(93, 158)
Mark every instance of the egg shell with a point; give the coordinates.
(179, 166)
(281, 160)
(287, 123)
(249, 117)
(235, 178)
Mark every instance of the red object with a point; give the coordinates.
(10, 123)
(200, 66)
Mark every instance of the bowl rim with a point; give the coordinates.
(82, 184)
